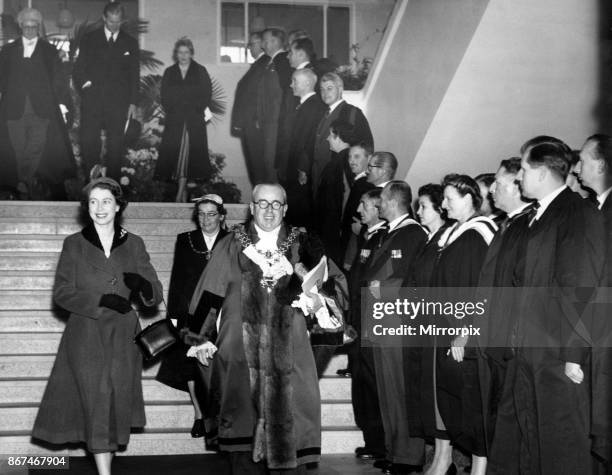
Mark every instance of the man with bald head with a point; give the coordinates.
(263, 372)
(309, 112)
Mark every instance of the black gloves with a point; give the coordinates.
(137, 283)
(115, 302)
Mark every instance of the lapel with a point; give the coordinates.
(94, 252)
(328, 119)
(381, 251)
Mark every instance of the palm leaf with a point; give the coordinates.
(218, 100)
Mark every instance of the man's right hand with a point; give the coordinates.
(206, 352)
(302, 177)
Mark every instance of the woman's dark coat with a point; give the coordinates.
(184, 102)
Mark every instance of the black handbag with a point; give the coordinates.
(156, 338)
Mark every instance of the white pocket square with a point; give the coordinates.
(127, 53)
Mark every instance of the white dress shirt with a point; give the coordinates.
(29, 46)
(302, 65)
(306, 97)
(108, 34)
(334, 105)
(395, 223)
(210, 240)
(545, 203)
(601, 199)
(267, 239)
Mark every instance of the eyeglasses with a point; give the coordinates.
(373, 166)
(211, 214)
(265, 204)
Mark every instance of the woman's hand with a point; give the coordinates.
(457, 348)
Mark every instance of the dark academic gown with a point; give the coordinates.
(301, 149)
(245, 123)
(190, 258)
(457, 386)
(47, 88)
(420, 395)
(390, 263)
(259, 396)
(348, 240)
(273, 86)
(94, 393)
(328, 205)
(322, 154)
(564, 253)
(364, 394)
(184, 102)
(601, 429)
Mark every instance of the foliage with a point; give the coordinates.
(356, 73)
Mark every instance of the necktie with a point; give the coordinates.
(111, 40)
(531, 214)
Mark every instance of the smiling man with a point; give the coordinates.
(264, 374)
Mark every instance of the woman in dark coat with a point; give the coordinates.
(420, 398)
(192, 252)
(185, 95)
(458, 400)
(94, 393)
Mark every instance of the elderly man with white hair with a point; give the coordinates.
(36, 154)
(272, 278)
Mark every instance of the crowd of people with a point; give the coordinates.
(263, 307)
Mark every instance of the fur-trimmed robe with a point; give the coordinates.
(263, 375)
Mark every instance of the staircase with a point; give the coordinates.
(31, 236)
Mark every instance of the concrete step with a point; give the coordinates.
(333, 441)
(47, 261)
(39, 366)
(170, 416)
(53, 243)
(46, 209)
(30, 392)
(43, 280)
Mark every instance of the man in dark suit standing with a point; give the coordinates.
(595, 171)
(561, 267)
(273, 86)
(301, 147)
(332, 88)
(107, 76)
(244, 112)
(35, 152)
(389, 265)
(358, 158)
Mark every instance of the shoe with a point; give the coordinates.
(346, 373)
(452, 470)
(384, 465)
(405, 469)
(197, 430)
(368, 454)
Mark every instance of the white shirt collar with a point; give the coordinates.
(393, 224)
(547, 200)
(29, 46)
(267, 239)
(259, 56)
(334, 105)
(306, 97)
(602, 198)
(302, 65)
(210, 240)
(373, 228)
(31, 42)
(382, 185)
(276, 54)
(108, 34)
(360, 175)
(518, 210)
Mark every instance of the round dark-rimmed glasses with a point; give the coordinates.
(265, 204)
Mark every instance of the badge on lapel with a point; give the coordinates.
(396, 253)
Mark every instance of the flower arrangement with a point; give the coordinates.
(355, 74)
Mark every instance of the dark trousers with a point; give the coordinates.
(253, 148)
(112, 119)
(28, 136)
(241, 463)
(364, 396)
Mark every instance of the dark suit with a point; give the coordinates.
(344, 112)
(33, 136)
(564, 252)
(273, 86)
(390, 264)
(184, 101)
(301, 147)
(348, 240)
(244, 116)
(114, 72)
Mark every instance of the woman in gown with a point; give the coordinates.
(94, 393)
(458, 401)
(186, 92)
(192, 252)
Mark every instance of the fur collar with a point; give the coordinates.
(90, 234)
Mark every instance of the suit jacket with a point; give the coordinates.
(244, 110)
(358, 188)
(114, 71)
(392, 261)
(303, 134)
(322, 154)
(275, 81)
(565, 253)
(184, 102)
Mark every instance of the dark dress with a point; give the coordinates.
(190, 258)
(94, 393)
(457, 385)
(184, 101)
